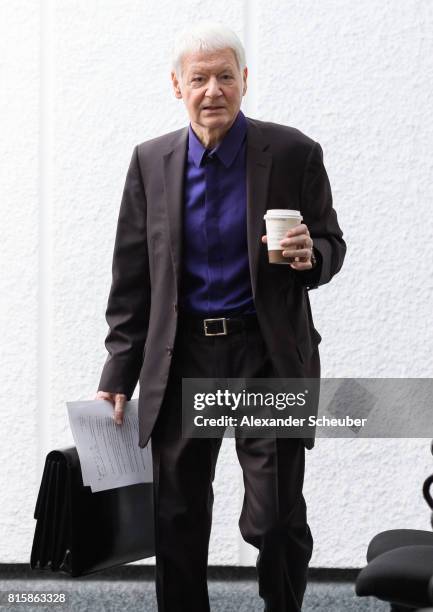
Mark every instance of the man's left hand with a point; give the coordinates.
(298, 245)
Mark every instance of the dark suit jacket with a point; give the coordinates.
(284, 170)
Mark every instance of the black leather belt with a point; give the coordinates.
(218, 326)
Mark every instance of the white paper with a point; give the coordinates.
(109, 454)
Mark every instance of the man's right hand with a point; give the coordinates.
(117, 400)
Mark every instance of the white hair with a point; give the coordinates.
(206, 36)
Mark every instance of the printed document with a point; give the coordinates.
(109, 454)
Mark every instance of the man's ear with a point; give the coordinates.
(245, 76)
(176, 85)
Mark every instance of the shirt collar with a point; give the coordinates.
(226, 150)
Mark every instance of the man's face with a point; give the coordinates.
(211, 87)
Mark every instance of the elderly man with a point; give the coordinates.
(194, 295)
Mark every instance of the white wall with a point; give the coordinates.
(83, 82)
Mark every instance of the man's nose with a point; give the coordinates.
(213, 87)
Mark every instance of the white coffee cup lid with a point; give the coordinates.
(281, 213)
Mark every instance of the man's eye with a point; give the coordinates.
(227, 76)
(197, 79)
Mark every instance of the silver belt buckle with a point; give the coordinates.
(223, 333)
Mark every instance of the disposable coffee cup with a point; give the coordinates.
(278, 222)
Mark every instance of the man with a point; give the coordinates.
(193, 295)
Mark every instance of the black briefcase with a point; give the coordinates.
(80, 532)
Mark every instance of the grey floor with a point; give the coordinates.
(111, 591)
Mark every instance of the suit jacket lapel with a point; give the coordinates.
(259, 162)
(258, 167)
(174, 165)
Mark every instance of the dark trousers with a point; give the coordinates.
(273, 516)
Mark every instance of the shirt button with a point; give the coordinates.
(169, 350)
(175, 307)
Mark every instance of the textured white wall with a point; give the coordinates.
(21, 300)
(82, 83)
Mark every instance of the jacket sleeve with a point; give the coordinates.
(321, 220)
(128, 308)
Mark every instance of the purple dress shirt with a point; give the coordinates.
(216, 276)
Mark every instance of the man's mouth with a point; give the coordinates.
(213, 107)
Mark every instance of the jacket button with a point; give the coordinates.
(169, 350)
(175, 307)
